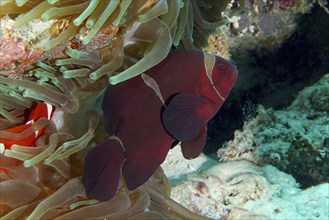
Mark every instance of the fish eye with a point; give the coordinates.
(221, 66)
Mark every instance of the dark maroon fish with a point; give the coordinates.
(172, 101)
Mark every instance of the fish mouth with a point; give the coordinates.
(235, 68)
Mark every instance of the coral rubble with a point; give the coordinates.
(243, 190)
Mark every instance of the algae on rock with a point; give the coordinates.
(294, 139)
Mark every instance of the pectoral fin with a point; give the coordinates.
(185, 116)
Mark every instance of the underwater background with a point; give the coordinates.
(267, 149)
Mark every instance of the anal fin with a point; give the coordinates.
(102, 169)
(192, 149)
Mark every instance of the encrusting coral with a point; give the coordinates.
(89, 44)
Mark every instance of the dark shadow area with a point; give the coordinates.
(273, 76)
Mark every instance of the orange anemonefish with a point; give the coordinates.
(41, 110)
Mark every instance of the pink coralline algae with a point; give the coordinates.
(286, 4)
(16, 53)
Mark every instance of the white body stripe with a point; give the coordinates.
(2, 148)
(150, 82)
(114, 137)
(209, 63)
(49, 110)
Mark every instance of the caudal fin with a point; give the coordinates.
(102, 169)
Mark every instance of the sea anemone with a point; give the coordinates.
(46, 179)
(147, 30)
(90, 43)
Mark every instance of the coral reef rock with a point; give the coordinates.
(293, 139)
(243, 190)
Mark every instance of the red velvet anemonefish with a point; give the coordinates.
(172, 101)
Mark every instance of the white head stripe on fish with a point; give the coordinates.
(209, 63)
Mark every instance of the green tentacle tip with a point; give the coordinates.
(20, 3)
(94, 76)
(53, 1)
(113, 80)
